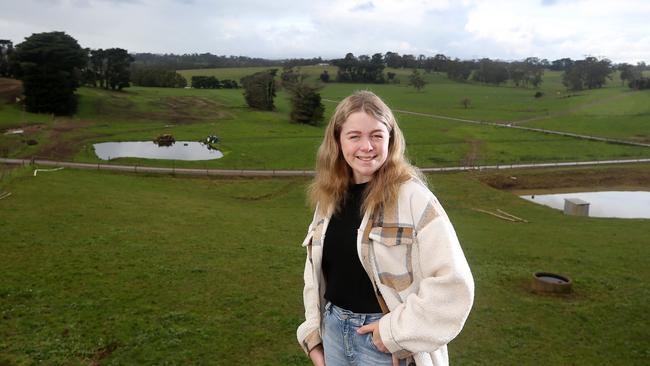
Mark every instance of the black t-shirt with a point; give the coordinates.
(347, 283)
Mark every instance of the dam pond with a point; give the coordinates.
(179, 150)
(621, 204)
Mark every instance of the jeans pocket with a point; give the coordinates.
(370, 344)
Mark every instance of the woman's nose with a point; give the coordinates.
(366, 144)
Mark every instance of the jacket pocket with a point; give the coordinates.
(392, 247)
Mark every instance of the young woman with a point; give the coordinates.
(386, 281)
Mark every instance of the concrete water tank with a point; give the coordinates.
(576, 207)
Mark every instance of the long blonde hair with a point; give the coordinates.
(334, 176)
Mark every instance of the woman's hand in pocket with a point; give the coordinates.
(376, 339)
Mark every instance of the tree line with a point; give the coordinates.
(211, 82)
(52, 65)
(172, 61)
(369, 69)
(157, 77)
(108, 69)
(589, 73)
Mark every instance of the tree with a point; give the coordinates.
(289, 75)
(111, 68)
(416, 80)
(118, 74)
(362, 69)
(561, 65)
(629, 73)
(205, 82)
(325, 77)
(306, 105)
(259, 89)
(640, 83)
(157, 77)
(458, 70)
(409, 62)
(97, 67)
(529, 71)
(393, 60)
(391, 77)
(573, 78)
(489, 71)
(440, 62)
(589, 73)
(437, 63)
(6, 53)
(49, 66)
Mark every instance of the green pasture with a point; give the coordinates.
(267, 140)
(612, 111)
(607, 110)
(114, 269)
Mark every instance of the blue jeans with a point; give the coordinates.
(343, 346)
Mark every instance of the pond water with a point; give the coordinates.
(180, 150)
(623, 204)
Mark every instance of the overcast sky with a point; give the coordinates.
(503, 29)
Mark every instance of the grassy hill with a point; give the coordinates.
(267, 140)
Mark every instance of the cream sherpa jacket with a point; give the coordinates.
(419, 268)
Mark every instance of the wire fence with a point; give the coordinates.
(293, 173)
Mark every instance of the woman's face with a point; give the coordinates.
(364, 144)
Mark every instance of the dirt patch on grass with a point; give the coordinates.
(56, 146)
(188, 109)
(10, 89)
(173, 109)
(599, 177)
(645, 139)
(27, 130)
(473, 156)
(102, 353)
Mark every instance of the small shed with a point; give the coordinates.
(576, 207)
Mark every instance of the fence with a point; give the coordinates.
(295, 173)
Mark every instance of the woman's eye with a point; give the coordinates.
(378, 137)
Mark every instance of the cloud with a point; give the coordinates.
(364, 7)
(283, 28)
(567, 29)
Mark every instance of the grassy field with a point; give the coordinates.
(267, 140)
(113, 269)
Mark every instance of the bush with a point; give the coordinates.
(306, 106)
(539, 94)
(155, 77)
(259, 89)
(640, 84)
(210, 82)
(325, 76)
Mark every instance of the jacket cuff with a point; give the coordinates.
(386, 334)
(311, 340)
